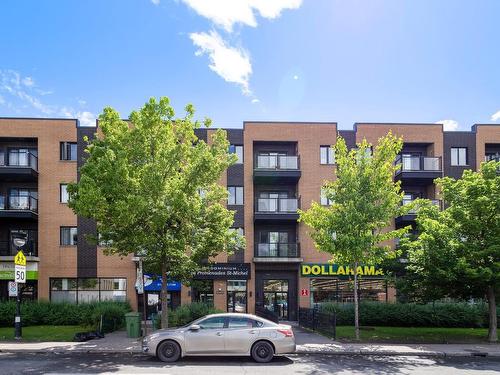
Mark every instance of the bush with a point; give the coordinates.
(84, 314)
(185, 314)
(458, 315)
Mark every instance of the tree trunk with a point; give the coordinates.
(164, 301)
(356, 304)
(492, 310)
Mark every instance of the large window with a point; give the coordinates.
(237, 296)
(238, 150)
(327, 155)
(203, 291)
(342, 290)
(68, 151)
(324, 200)
(83, 290)
(235, 195)
(458, 156)
(63, 193)
(69, 236)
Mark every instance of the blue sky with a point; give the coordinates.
(235, 60)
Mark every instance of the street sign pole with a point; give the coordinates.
(19, 278)
(18, 331)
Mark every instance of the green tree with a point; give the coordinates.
(152, 187)
(354, 228)
(457, 252)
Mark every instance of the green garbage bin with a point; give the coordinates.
(154, 321)
(133, 322)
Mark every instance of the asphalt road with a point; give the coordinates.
(78, 363)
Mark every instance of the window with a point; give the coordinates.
(235, 195)
(68, 151)
(458, 156)
(238, 150)
(88, 289)
(327, 155)
(237, 296)
(324, 200)
(212, 323)
(63, 193)
(68, 236)
(242, 323)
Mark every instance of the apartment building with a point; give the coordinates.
(281, 167)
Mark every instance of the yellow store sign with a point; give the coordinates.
(327, 269)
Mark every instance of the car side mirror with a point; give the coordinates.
(194, 327)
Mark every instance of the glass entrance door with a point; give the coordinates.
(276, 297)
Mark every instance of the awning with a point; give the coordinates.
(152, 283)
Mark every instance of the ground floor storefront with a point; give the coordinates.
(280, 288)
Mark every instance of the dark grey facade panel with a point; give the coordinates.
(350, 138)
(235, 136)
(239, 216)
(235, 175)
(86, 252)
(201, 133)
(458, 139)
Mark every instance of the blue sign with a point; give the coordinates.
(152, 283)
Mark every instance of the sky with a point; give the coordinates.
(343, 61)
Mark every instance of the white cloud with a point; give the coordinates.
(227, 13)
(82, 102)
(86, 118)
(22, 93)
(448, 125)
(231, 63)
(156, 2)
(255, 100)
(495, 116)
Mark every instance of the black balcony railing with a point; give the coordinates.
(413, 211)
(277, 250)
(277, 162)
(18, 203)
(419, 163)
(21, 159)
(277, 205)
(7, 248)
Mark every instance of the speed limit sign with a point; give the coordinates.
(19, 274)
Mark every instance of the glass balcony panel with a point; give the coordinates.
(432, 164)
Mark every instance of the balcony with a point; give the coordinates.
(284, 209)
(7, 249)
(419, 170)
(276, 169)
(277, 250)
(412, 214)
(21, 166)
(19, 207)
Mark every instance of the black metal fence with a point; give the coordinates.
(321, 321)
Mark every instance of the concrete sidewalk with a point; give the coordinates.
(307, 343)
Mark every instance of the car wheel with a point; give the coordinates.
(169, 351)
(262, 352)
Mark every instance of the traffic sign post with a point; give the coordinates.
(19, 278)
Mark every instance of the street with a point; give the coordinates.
(81, 363)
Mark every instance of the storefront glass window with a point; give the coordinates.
(342, 290)
(203, 291)
(237, 296)
(87, 289)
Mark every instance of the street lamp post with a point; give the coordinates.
(18, 242)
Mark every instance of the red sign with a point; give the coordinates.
(304, 292)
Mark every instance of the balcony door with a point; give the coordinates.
(23, 199)
(269, 159)
(271, 199)
(272, 242)
(411, 161)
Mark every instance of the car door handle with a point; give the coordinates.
(252, 332)
(219, 333)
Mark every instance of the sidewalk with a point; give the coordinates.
(307, 343)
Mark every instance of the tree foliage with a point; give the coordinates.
(365, 200)
(457, 252)
(152, 187)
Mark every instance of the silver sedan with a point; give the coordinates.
(222, 334)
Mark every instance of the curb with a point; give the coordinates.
(298, 352)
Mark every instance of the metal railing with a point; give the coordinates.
(277, 250)
(492, 157)
(18, 203)
(318, 320)
(405, 201)
(278, 162)
(419, 163)
(23, 159)
(8, 249)
(277, 205)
